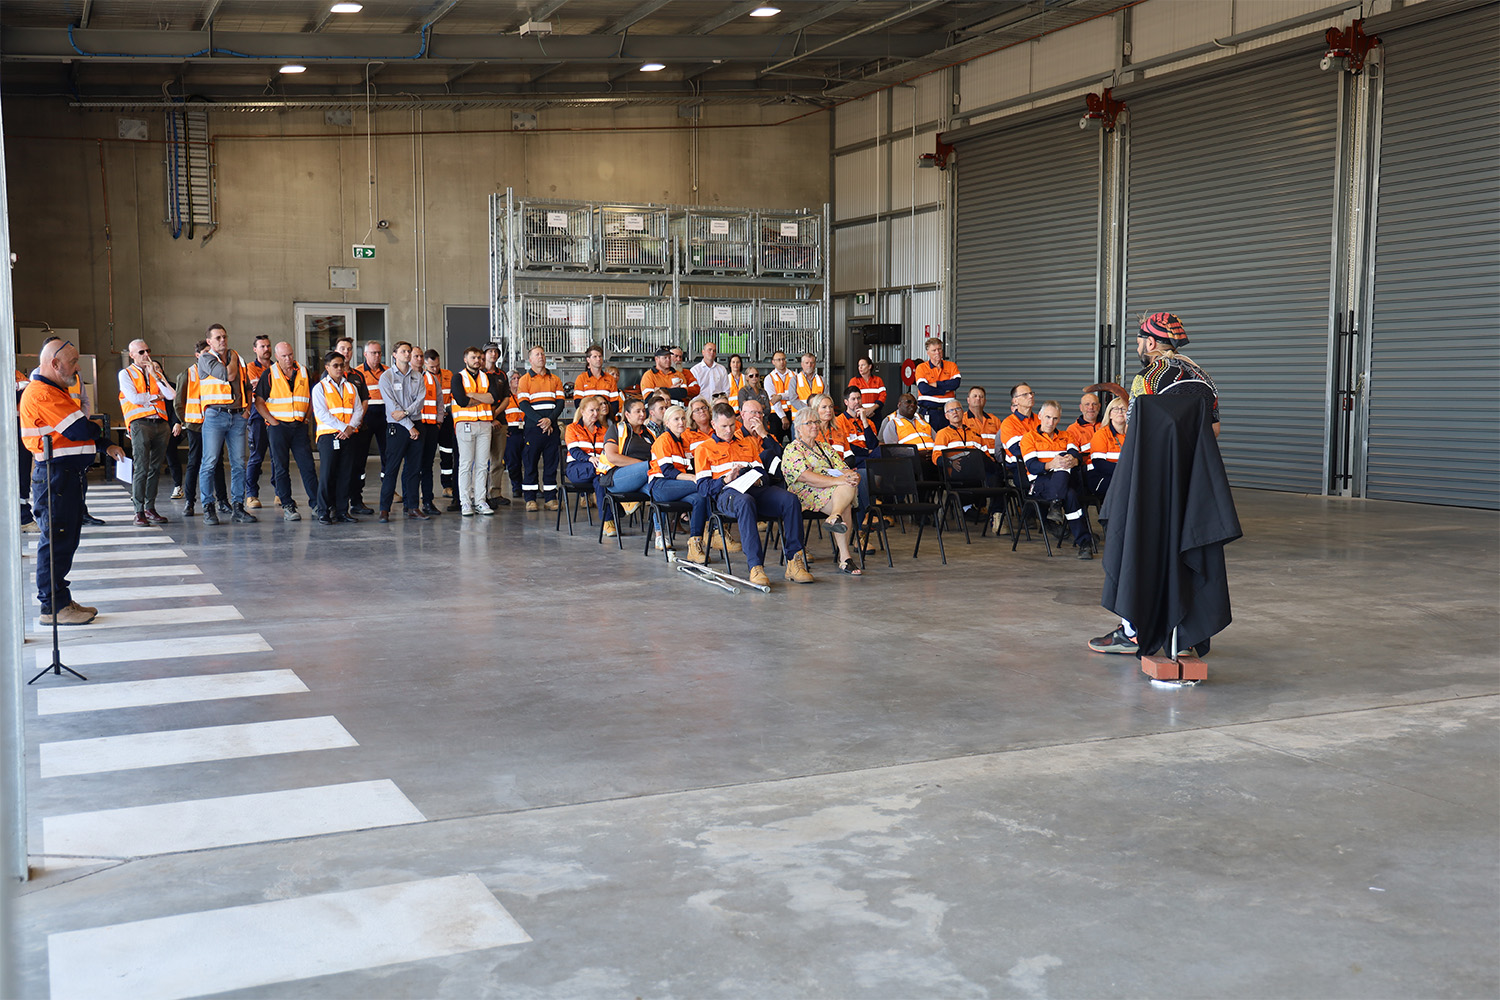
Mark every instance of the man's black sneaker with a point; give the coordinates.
(187, 509)
(359, 508)
(498, 501)
(453, 506)
(1086, 550)
(430, 510)
(240, 515)
(209, 516)
(91, 519)
(224, 507)
(1116, 642)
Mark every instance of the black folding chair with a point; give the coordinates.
(664, 513)
(1027, 501)
(965, 472)
(894, 490)
(578, 493)
(611, 512)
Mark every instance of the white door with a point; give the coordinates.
(321, 324)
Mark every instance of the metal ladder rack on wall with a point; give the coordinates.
(646, 265)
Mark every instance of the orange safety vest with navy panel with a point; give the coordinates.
(214, 391)
(1012, 430)
(871, 390)
(858, 436)
(340, 399)
(604, 385)
(952, 438)
(144, 382)
(1082, 435)
(541, 398)
(47, 411)
(717, 459)
(371, 378)
(289, 401)
(1104, 449)
(986, 427)
(936, 385)
(432, 398)
(1038, 448)
(671, 458)
(585, 443)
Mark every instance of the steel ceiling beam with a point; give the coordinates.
(875, 26)
(126, 46)
(813, 17)
(209, 10)
(734, 12)
(88, 8)
(443, 11)
(640, 13)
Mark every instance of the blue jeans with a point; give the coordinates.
(625, 479)
(682, 488)
(223, 428)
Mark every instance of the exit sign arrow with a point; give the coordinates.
(367, 253)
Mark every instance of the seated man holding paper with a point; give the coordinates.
(731, 476)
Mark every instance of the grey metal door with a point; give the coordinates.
(1025, 271)
(1231, 193)
(1434, 391)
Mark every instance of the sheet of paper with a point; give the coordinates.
(745, 481)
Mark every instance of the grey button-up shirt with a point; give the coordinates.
(403, 392)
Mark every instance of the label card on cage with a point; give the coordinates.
(786, 315)
(789, 229)
(718, 227)
(723, 314)
(635, 223)
(557, 310)
(557, 220)
(636, 313)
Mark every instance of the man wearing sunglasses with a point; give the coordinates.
(145, 394)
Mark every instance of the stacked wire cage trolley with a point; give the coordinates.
(637, 277)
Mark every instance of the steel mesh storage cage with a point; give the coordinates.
(715, 242)
(633, 238)
(789, 245)
(555, 236)
(562, 325)
(791, 325)
(729, 324)
(635, 327)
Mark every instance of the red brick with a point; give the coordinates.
(1193, 669)
(1161, 668)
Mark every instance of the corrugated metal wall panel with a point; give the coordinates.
(914, 257)
(1024, 275)
(1231, 196)
(995, 77)
(1160, 27)
(926, 94)
(854, 122)
(1434, 394)
(1074, 54)
(854, 183)
(854, 252)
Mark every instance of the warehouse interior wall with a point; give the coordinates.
(295, 193)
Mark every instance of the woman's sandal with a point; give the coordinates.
(837, 525)
(849, 566)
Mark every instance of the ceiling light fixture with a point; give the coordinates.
(294, 68)
(347, 8)
(653, 67)
(765, 12)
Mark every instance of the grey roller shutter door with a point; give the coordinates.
(1231, 199)
(1024, 271)
(1434, 393)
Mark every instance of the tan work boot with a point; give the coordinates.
(609, 529)
(696, 553)
(70, 615)
(759, 578)
(551, 505)
(532, 507)
(731, 545)
(797, 571)
(252, 503)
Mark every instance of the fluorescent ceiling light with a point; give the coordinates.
(347, 8)
(293, 68)
(653, 67)
(765, 12)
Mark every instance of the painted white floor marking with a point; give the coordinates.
(152, 649)
(95, 543)
(133, 751)
(102, 595)
(151, 556)
(164, 690)
(138, 831)
(241, 947)
(131, 572)
(137, 619)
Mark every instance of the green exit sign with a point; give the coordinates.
(366, 253)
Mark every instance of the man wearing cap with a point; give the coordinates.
(1162, 336)
(665, 378)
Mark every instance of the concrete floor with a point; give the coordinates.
(915, 784)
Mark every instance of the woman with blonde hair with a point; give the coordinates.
(1104, 450)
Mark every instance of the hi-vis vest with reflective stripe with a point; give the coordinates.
(474, 411)
(75, 392)
(371, 378)
(289, 400)
(915, 431)
(45, 411)
(193, 411)
(1044, 447)
(432, 398)
(340, 399)
(807, 387)
(736, 383)
(218, 391)
(143, 382)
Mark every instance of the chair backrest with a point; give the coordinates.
(892, 478)
(1018, 474)
(906, 452)
(964, 467)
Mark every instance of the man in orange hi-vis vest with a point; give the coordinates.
(49, 415)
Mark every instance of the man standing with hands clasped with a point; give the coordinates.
(338, 408)
(404, 390)
(221, 388)
(47, 411)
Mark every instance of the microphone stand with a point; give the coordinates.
(57, 666)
